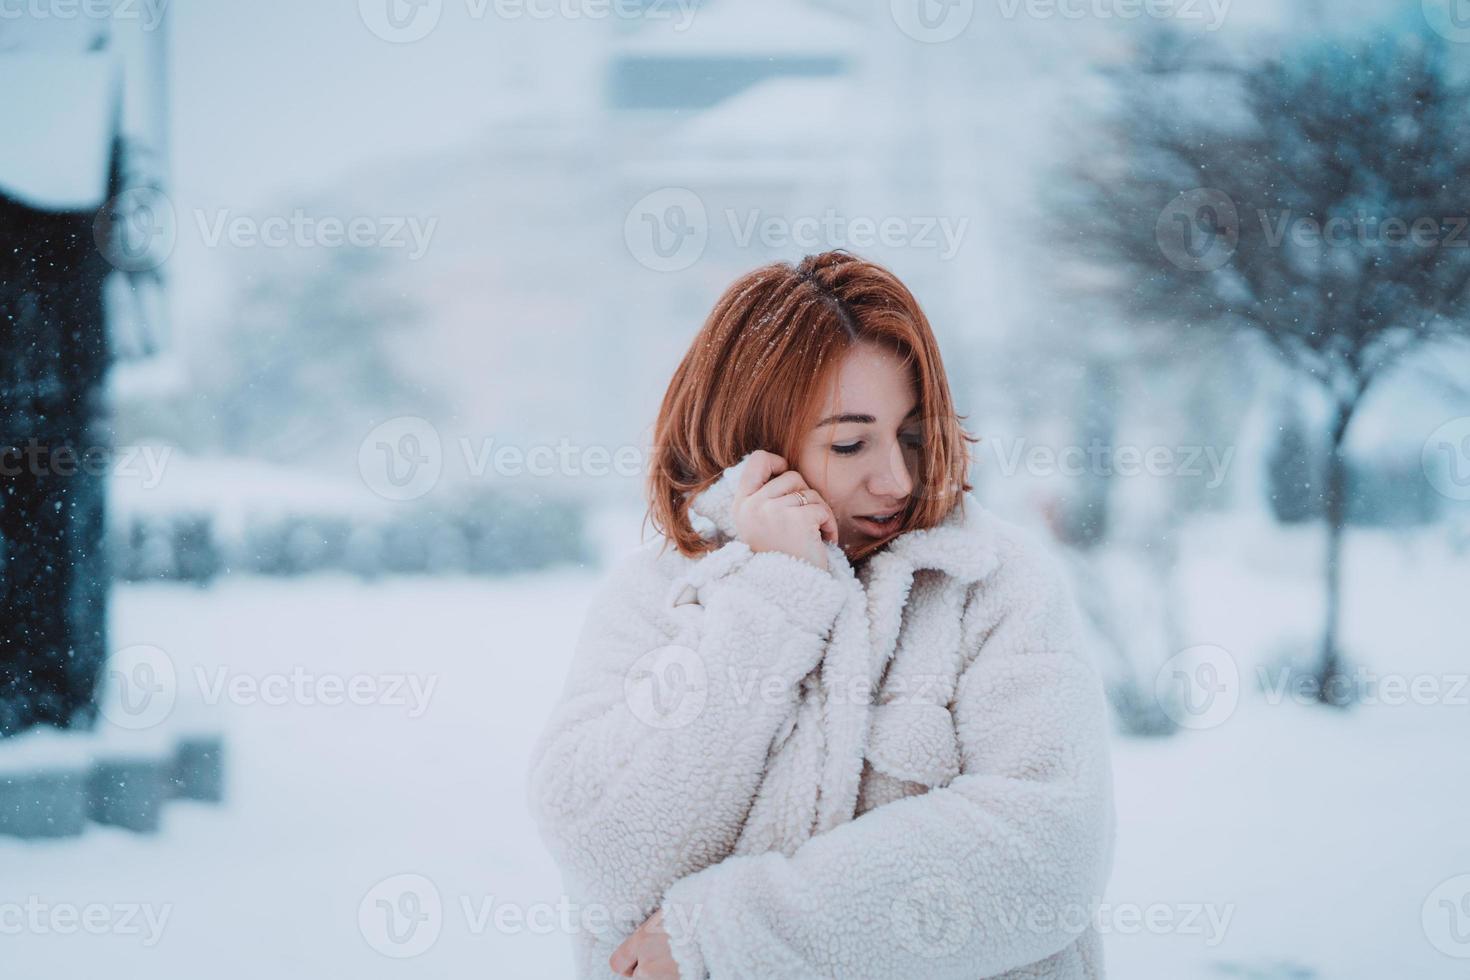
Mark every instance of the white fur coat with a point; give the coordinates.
(902, 773)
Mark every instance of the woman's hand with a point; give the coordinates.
(646, 952)
(770, 517)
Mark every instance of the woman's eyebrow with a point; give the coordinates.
(859, 418)
(849, 417)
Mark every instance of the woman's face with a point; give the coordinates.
(863, 453)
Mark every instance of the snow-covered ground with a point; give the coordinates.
(1316, 838)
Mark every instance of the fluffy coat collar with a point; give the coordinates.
(832, 730)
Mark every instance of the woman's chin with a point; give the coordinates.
(853, 539)
(866, 531)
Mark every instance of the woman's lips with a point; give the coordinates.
(875, 527)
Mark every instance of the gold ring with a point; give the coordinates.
(801, 495)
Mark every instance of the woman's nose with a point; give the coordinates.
(894, 480)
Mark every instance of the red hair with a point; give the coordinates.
(754, 373)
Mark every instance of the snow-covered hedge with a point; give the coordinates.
(238, 517)
(486, 534)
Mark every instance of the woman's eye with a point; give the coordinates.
(848, 449)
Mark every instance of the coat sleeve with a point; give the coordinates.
(998, 869)
(651, 759)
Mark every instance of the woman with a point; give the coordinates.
(843, 726)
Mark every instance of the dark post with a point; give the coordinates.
(53, 573)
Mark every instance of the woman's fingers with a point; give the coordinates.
(646, 952)
(817, 510)
(828, 525)
(623, 960)
(787, 483)
(776, 510)
(791, 491)
(761, 467)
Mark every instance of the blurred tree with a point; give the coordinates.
(313, 349)
(1083, 520)
(1293, 468)
(1310, 197)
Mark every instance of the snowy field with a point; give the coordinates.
(1313, 840)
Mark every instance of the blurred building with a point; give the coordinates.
(639, 166)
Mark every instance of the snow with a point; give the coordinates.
(66, 114)
(45, 748)
(1318, 834)
(161, 479)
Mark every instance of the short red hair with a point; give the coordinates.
(753, 375)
